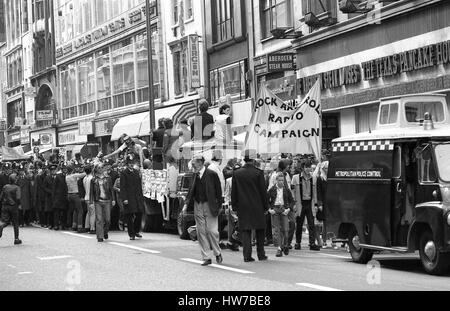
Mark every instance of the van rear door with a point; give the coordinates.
(359, 191)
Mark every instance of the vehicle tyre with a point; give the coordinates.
(433, 261)
(359, 254)
(153, 223)
(182, 227)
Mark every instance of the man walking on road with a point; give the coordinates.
(205, 196)
(249, 199)
(10, 198)
(132, 198)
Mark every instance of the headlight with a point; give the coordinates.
(445, 192)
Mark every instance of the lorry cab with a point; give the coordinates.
(389, 189)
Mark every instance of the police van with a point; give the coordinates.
(389, 189)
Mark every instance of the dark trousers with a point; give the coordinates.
(246, 237)
(306, 212)
(134, 223)
(77, 209)
(59, 218)
(49, 217)
(24, 217)
(10, 214)
(269, 236)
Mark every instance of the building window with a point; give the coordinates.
(366, 118)
(142, 66)
(123, 74)
(181, 68)
(319, 7)
(223, 20)
(14, 111)
(189, 10)
(68, 80)
(275, 14)
(103, 67)
(228, 80)
(175, 12)
(39, 10)
(86, 86)
(25, 15)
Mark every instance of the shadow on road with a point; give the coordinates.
(412, 265)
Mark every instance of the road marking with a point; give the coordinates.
(79, 235)
(135, 248)
(12, 267)
(336, 256)
(219, 266)
(54, 257)
(23, 273)
(318, 287)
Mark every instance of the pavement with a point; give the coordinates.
(67, 261)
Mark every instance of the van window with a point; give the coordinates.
(427, 169)
(415, 111)
(389, 114)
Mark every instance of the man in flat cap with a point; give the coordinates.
(249, 200)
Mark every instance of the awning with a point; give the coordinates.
(167, 112)
(186, 111)
(129, 125)
(13, 154)
(138, 125)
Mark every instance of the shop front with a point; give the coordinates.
(74, 143)
(359, 67)
(103, 130)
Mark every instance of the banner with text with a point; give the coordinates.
(286, 127)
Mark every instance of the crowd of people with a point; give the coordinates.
(94, 196)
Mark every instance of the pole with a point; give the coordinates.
(151, 99)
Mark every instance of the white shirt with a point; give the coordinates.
(87, 186)
(202, 171)
(280, 199)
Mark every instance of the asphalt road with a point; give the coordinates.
(66, 261)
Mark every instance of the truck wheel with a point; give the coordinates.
(433, 261)
(182, 227)
(359, 254)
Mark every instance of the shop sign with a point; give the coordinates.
(85, 128)
(3, 124)
(416, 59)
(44, 115)
(105, 127)
(18, 121)
(280, 62)
(195, 62)
(71, 138)
(14, 137)
(120, 24)
(333, 78)
(25, 136)
(46, 139)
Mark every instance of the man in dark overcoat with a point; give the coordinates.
(132, 198)
(48, 189)
(59, 194)
(249, 200)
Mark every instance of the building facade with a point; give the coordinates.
(102, 61)
(396, 48)
(13, 54)
(229, 46)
